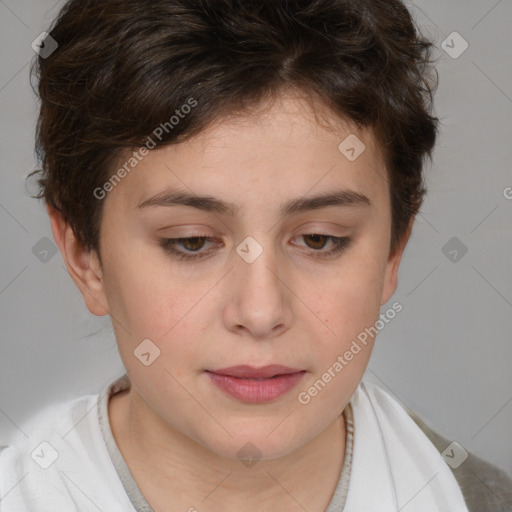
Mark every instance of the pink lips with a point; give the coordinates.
(256, 385)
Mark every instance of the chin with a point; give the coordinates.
(251, 444)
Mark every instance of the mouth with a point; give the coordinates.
(255, 385)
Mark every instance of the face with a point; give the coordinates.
(283, 280)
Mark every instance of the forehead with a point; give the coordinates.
(284, 148)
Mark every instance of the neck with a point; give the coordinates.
(171, 468)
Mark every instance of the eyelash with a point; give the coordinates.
(168, 244)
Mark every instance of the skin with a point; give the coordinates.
(178, 433)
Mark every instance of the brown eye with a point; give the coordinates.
(192, 244)
(189, 248)
(318, 241)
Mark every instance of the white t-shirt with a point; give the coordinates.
(70, 462)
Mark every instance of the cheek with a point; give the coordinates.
(151, 304)
(351, 298)
(142, 300)
(347, 307)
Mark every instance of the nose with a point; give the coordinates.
(258, 304)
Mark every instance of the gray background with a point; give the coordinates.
(447, 355)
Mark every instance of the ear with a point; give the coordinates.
(83, 266)
(392, 266)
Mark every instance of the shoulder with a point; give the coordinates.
(57, 460)
(37, 452)
(483, 485)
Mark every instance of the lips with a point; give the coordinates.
(250, 372)
(255, 385)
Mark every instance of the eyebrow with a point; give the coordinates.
(212, 204)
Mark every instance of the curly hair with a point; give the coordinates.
(123, 67)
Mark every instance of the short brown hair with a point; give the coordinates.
(123, 67)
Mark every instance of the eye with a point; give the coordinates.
(318, 241)
(192, 245)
